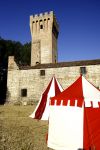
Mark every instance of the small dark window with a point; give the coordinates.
(41, 26)
(42, 72)
(37, 62)
(83, 70)
(23, 92)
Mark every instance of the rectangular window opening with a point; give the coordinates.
(83, 70)
(42, 72)
(23, 92)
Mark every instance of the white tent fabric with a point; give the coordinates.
(42, 109)
(90, 94)
(69, 119)
(65, 131)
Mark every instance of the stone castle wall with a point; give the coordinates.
(35, 84)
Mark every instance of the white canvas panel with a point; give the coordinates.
(65, 128)
(90, 93)
(60, 87)
(51, 93)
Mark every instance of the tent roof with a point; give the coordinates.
(81, 89)
(42, 109)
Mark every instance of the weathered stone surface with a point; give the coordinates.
(35, 83)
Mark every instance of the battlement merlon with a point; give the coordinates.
(44, 17)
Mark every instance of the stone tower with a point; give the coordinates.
(44, 32)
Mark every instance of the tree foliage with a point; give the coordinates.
(21, 52)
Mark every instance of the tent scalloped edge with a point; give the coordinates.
(76, 103)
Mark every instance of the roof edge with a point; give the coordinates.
(62, 64)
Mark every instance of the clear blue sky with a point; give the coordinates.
(79, 21)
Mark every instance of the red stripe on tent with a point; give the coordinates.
(58, 103)
(80, 102)
(41, 108)
(72, 102)
(65, 103)
(91, 137)
(52, 102)
(99, 104)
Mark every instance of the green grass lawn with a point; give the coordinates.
(19, 132)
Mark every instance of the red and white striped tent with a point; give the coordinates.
(74, 121)
(42, 110)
